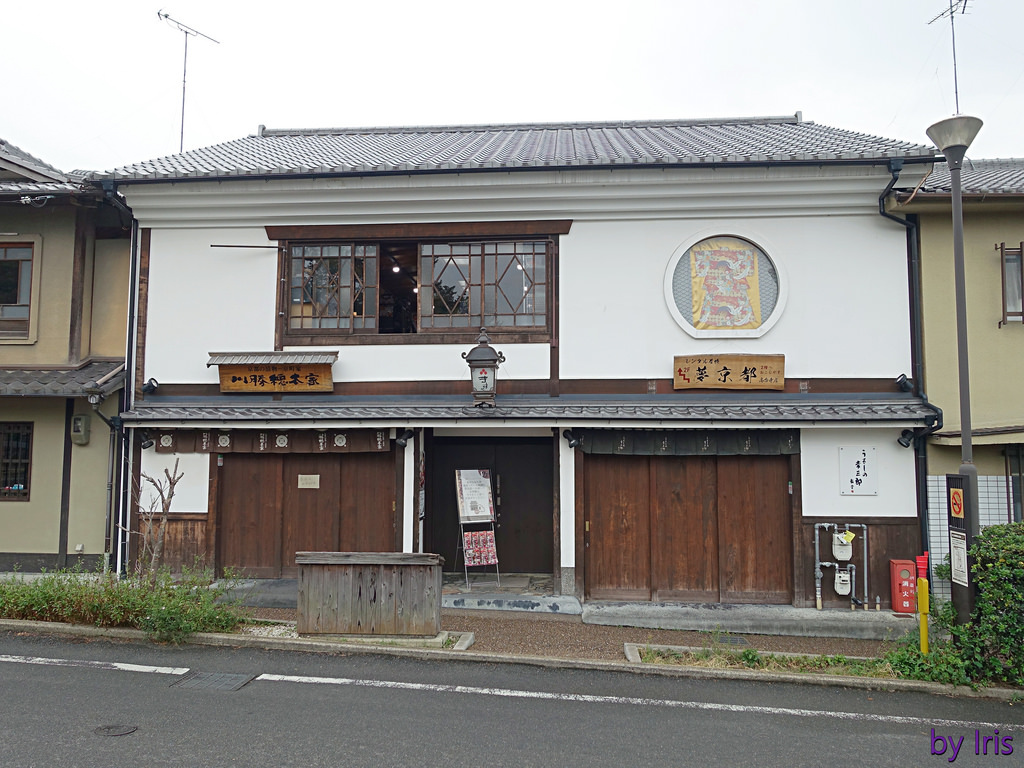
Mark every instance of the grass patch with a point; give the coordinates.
(749, 658)
(167, 609)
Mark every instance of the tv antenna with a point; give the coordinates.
(189, 32)
(955, 7)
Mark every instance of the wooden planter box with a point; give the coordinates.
(369, 593)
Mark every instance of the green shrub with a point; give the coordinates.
(993, 643)
(167, 609)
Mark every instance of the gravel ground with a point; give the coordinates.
(567, 637)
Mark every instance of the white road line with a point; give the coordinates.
(115, 665)
(634, 701)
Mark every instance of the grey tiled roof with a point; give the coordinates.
(66, 382)
(979, 177)
(272, 358)
(34, 188)
(680, 409)
(537, 146)
(20, 157)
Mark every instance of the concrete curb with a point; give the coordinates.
(307, 645)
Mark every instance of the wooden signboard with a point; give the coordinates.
(276, 377)
(473, 488)
(729, 372)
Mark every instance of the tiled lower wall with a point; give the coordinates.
(992, 511)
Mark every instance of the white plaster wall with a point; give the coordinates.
(191, 493)
(846, 313)
(233, 309)
(820, 474)
(567, 502)
(204, 299)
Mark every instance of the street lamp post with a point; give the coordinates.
(953, 136)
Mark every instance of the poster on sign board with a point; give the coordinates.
(473, 489)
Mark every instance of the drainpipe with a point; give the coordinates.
(916, 334)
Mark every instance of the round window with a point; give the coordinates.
(724, 286)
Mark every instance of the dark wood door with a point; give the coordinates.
(368, 520)
(310, 514)
(693, 528)
(522, 484)
(755, 529)
(685, 518)
(249, 514)
(617, 532)
(265, 517)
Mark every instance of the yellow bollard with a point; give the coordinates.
(922, 610)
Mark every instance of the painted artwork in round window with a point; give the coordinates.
(724, 286)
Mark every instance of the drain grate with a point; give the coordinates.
(731, 640)
(217, 681)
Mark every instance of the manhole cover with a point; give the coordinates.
(115, 730)
(218, 681)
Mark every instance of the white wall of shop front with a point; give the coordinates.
(843, 266)
(823, 481)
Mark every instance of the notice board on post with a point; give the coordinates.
(476, 506)
(473, 489)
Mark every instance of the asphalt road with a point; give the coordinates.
(61, 701)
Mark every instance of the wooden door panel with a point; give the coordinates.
(754, 524)
(684, 518)
(310, 515)
(618, 544)
(249, 508)
(524, 479)
(367, 503)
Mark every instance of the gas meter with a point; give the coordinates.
(842, 582)
(842, 545)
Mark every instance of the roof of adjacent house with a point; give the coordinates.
(97, 377)
(23, 174)
(979, 177)
(360, 151)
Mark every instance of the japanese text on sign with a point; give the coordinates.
(858, 475)
(276, 378)
(729, 372)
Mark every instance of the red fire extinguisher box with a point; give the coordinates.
(903, 581)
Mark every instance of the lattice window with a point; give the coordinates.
(492, 284)
(15, 460)
(333, 286)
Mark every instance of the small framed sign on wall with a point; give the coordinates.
(858, 472)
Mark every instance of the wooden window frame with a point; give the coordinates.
(7, 427)
(415, 235)
(23, 330)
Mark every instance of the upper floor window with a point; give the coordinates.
(724, 286)
(433, 287)
(15, 289)
(1013, 283)
(15, 459)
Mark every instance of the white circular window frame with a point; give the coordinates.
(750, 333)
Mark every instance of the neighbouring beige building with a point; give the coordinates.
(993, 195)
(64, 277)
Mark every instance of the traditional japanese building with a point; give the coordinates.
(702, 326)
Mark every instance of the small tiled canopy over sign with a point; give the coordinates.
(691, 442)
(272, 441)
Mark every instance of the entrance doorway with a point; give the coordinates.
(689, 528)
(522, 485)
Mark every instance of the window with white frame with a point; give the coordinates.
(1013, 283)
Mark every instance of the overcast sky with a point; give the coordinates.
(97, 85)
